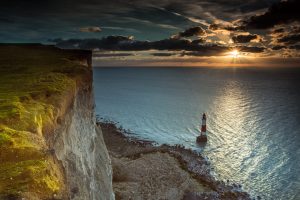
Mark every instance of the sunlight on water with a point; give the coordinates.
(229, 115)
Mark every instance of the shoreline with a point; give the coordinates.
(142, 170)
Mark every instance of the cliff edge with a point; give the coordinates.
(49, 145)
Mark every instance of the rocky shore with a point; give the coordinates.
(142, 170)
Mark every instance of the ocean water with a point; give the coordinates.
(253, 118)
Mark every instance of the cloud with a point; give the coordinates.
(289, 39)
(163, 54)
(279, 13)
(244, 38)
(295, 29)
(278, 47)
(212, 52)
(278, 30)
(123, 43)
(191, 19)
(147, 22)
(296, 47)
(228, 27)
(251, 49)
(199, 41)
(120, 29)
(285, 36)
(91, 29)
(194, 31)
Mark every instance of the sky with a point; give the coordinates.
(161, 32)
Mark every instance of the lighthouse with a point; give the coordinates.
(203, 138)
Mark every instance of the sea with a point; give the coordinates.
(253, 118)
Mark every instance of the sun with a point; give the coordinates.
(234, 54)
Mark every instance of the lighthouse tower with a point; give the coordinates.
(203, 127)
(202, 138)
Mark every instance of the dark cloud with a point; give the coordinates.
(289, 39)
(295, 47)
(279, 13)
(194, 31)
(243, 38)
(163, 54)
(251, 49)
(278, 47)
(122, 43)
(91, 29)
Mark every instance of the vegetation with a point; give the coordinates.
(35, 83)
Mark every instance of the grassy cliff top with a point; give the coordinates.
(36, 84)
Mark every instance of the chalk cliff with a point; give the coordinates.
(82, 150)
(50, 147)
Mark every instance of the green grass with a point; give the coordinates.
(18, 177)
(13, 138)
(35, 82)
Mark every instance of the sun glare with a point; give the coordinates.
(234, 54)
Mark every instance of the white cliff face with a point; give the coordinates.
(80, 147)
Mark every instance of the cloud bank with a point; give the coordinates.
(122, 43)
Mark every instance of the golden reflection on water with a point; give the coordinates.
(234, 142)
